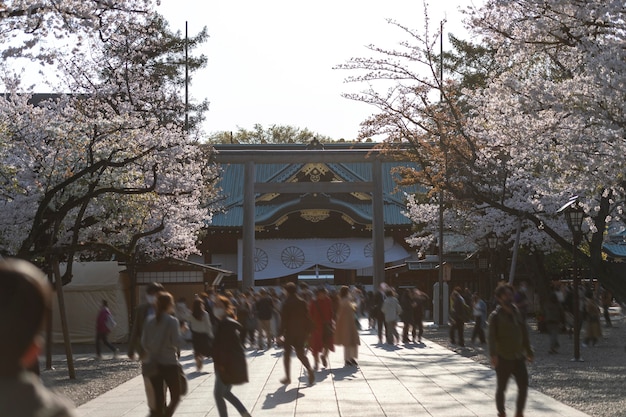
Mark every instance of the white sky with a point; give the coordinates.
(271, 61)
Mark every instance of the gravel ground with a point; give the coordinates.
(594, 386)
(94, 376)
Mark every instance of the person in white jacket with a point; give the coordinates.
(391, 310)
(201, 332)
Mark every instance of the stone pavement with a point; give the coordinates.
(415, 379)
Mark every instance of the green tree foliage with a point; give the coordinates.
(273, 134)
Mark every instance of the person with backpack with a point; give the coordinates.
(509, 348)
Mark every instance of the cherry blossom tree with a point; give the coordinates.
(112, 167)
(559, 105)
(111, 163)
(545, 123)
(37, 29)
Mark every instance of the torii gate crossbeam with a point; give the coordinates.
(250, 158)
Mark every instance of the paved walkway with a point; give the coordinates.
(422, 380)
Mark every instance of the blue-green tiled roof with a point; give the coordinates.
(232, 180)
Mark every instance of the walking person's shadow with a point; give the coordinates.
(281, 396)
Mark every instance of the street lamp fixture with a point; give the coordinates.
(574, 215)
(574, 218)
(492, 240)
(492, 244)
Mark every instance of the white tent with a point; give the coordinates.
(91, 283)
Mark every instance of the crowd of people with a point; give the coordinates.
(296, 318)
(222, 326)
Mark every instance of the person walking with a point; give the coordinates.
(264, 309)
(295, 328)
(509, 348)
(593, 331)
(391, 310)
(376, 312)
(522, 300)
(479, 311)
(458, 308)
(554, 316)
(142, 314)
(229, 358)
(104, 324)
(322, 336)
(407, 302)
(161, 340)
(201, 332)
(346, 333)
(25, 302)
(244, 317)
(419, 302)
(183, 314)
(607, 301)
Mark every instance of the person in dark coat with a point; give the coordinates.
(509, 349)
(264, 309)
(419, 301)
(229, 358)
(408, 318)
(295, 327)
(554, 316)
(457, 316)
(377, 313)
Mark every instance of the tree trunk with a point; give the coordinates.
(610, 274)
(49, 342)
(132, 273)
(66, 334)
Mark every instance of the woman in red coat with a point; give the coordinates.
(321, 311)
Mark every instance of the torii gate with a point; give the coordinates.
(250, 158)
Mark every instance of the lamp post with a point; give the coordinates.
(492, 243)
(574, 217)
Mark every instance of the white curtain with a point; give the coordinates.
(279, 257)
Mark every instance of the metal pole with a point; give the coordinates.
(576, 305)
(441, 208)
